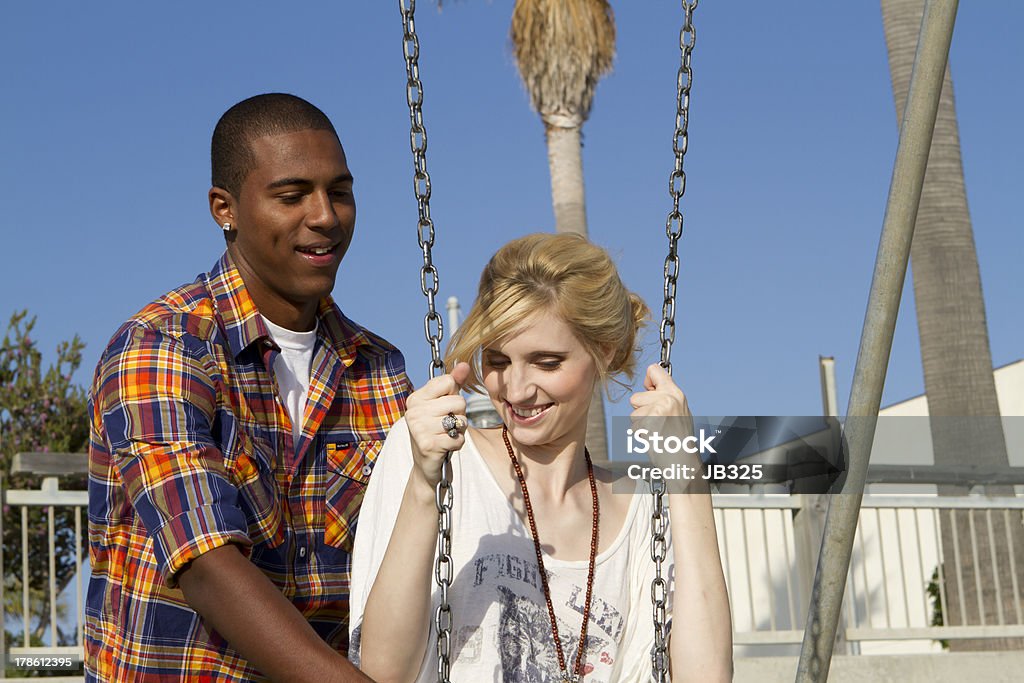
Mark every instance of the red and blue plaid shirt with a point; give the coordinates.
(191, 448)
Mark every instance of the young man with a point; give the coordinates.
(234, 425)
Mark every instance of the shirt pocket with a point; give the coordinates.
(348, 471)
(257, 495)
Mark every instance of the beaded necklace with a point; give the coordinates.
(576, 675)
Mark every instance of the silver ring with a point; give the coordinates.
(450, 424)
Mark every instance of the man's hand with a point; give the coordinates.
(238, 601)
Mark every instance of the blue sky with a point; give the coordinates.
(108, 109)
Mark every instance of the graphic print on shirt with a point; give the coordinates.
(526, 647)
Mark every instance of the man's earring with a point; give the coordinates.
(226, 227)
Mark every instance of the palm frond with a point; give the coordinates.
(563, 47)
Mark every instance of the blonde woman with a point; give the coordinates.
(545, 555)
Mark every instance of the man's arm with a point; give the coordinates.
(157, 402)
(244, 606)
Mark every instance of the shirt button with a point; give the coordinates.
(302, 552)
(366, 470)
(267, 342)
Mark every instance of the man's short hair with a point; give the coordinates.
(231, 156)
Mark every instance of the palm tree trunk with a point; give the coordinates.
(955, 352)
(565, 159)
(562, 48)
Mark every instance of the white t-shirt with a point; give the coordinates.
(291, 369)
(501, 628)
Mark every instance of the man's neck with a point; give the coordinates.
(297, 317)
(288, 316)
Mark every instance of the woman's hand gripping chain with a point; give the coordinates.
(662, 410)
(436, 417)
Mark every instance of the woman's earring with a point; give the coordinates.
(226, 227)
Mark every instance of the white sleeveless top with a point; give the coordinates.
(501, 628)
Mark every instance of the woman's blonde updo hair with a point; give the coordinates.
(563, 273)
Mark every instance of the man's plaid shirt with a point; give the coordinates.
(191, 448)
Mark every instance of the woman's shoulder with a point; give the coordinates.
(400, 427)
(398, 437)
(396, 453)
(489, 436)
(484, 443)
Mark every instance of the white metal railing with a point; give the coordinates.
(51, 498)
(898, 552)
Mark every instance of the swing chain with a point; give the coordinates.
(432, 326)
(677, 183)
(659, 587)
(444, 569)
(667, 332)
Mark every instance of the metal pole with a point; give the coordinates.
(454, 311)
(827, 370)
(876, 338)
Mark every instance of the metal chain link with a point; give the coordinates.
(659, 587)
(432, 326)
(667, 332)
(434, 329)
(677, 184)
